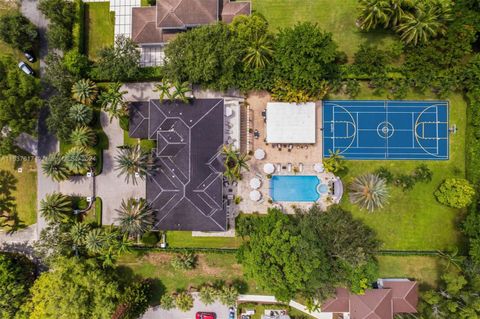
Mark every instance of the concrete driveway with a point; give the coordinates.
(218, 308)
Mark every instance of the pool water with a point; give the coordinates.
(294, 188)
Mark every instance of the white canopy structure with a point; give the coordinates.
(291, 123)
(259, 154)
(268, 168)
(255, 195)
(255, 183)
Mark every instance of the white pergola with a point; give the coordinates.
(291, 123)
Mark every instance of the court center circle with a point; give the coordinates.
(385, 129)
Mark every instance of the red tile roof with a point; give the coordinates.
(374, 304)
(233, 9)
(184, 13)
(338, 304)
(405, 295)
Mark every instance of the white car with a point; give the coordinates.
(25, 68)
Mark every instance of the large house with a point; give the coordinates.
(393, 296)
(159, 24)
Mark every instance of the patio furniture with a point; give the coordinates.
(255, 195)
(268, 168)
(259, 154)
(279, 167)
(318, 167)
(255, 183)
(300, 167)
(289, 167)
(256, 134)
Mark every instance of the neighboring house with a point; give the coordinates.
(393, 296)
(159, 24)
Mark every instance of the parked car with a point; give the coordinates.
(231, 313)
(29, 56)
(25, 68)
(206, 315)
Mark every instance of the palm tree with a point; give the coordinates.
(81, 114)
(164, 90)
(112, 100)
(374, 13)
(135, 217)
(95, 241)
(79, 159)
(83, 136)
(334, 163)
(428, 21)
(54, 166)
(134, 162)
(369, 191)
(234, 163)
(56, 208)
(78, 233)
(180, 91)
(259, 53)
(398, 9)
(84, 91)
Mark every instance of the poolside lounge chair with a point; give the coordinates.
(289, 167)
(279, 167)
(300, 167)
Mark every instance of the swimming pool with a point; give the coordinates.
(294, 188)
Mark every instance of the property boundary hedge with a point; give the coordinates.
(78, 31)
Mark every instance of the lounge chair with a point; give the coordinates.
(300, 167)
(289, 167)
(279, 167)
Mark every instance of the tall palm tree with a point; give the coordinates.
(134, 162)
(135, 217)
(112, 100)
(374, 13)
(56, 208)
(81, 114)
(95, 241)
(334, 163)
(54, 166)
(83, 136)
(398, 10)
(78, 233)
(79, 159)
(259, 53)
(163, 90)
(85, 91)
(369, 191)
(428, 21)
(234, 163)
(180, 91)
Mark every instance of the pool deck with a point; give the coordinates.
(307, 155)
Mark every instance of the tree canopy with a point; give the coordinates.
(308, 254)
(17, 31)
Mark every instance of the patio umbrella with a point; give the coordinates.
(255, 183)
(255, 195)
(259, 154)
(268, 168)
(318, 167)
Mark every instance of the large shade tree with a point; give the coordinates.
(17, 274)
(135, 217)
(17, 31)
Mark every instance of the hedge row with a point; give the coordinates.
(79, 27)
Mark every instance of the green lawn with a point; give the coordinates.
(210, 267)
(425, 269)
(185, 239)
(26, 188)
(144, 143)
(99, 27)
(413, 220)
(335, 16)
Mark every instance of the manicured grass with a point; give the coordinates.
(185, 239)
(144, 143)
(210, 267)
(260, 310)
(335, 16)
(94, 214)
(414, 220)
(26, 188)
(99, 27)
(425, 269)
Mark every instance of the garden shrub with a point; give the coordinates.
(244, 224)
(228, 295)
(385, 174)
(208, 294)
(185, 260)
(370, 60)
(404, 181)
(184, 301)
(61, 14)
(422, 173)
(455, 192)
(167, 302)
(150, 238)
(79, 27)
(124, 122)
(18, 31)
(352, 88)
(76, 63)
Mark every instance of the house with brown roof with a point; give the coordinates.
(159, 24)
(393, 296)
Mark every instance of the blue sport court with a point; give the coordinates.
(396, 130)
